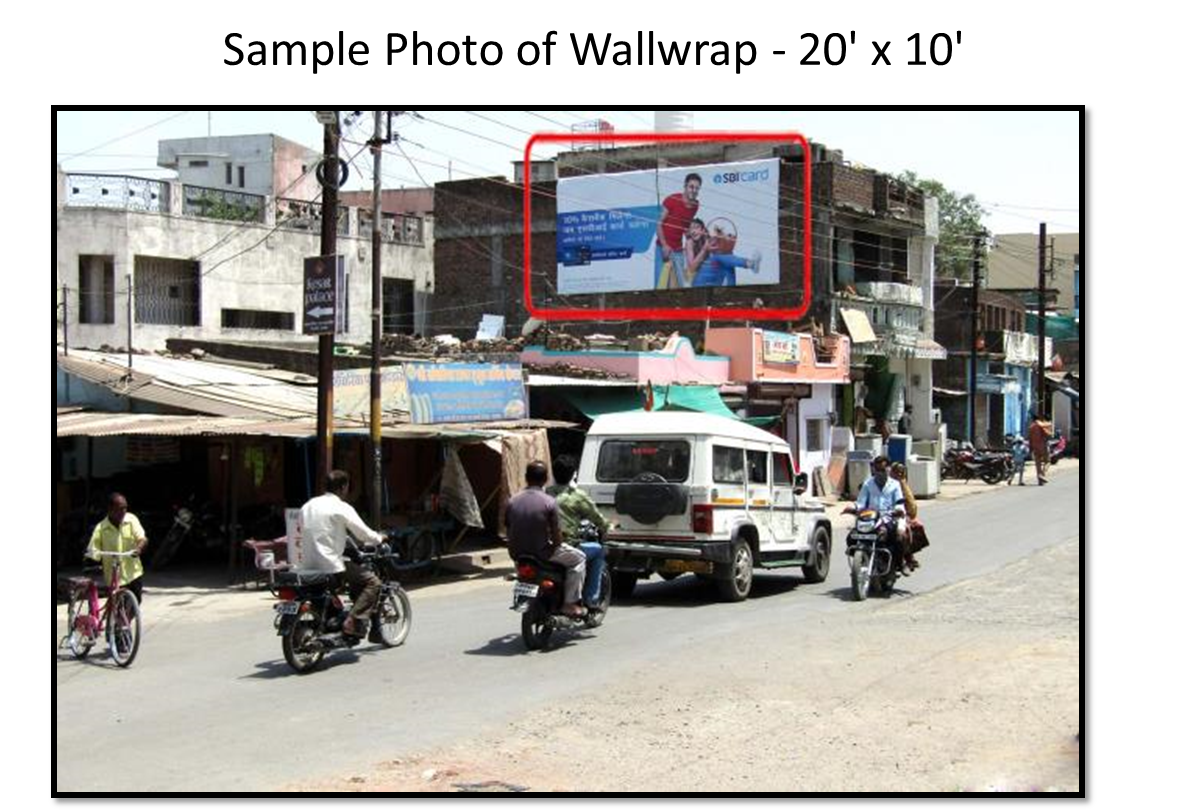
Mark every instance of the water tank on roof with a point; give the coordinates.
(673, 120)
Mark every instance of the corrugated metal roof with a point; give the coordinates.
(99, 424)
(193, 385)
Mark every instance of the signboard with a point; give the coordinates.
(292, 536)
(352, 392)
(780, 347)
(465, 392)
(718, 225)
(320, 302)
(491, 327)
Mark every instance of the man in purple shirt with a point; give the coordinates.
(533, 528)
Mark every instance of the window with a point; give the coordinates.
(167, 291)
(398, 306)
(258, 319)
(756, 467)
(729, 466)
(96, 289)
(817, 430)
(782, 470)
(229, 165)
(198, 164)
(242, 177)
(621, 460)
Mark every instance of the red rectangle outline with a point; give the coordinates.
(666, 313)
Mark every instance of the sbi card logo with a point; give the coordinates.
(756, 176)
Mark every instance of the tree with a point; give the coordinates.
(960, 222)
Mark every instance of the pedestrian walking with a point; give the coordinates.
(1038, 434)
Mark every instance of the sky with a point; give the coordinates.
(1023, 166)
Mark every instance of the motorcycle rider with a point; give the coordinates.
(915, 538)
(884, 495)
(533, 528)
(576, 506)
(325, 522)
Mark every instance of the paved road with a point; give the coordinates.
(210, 705)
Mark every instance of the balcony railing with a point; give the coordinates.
(305, 215)
(218, 204)
(116, 191)
(891, 292)
(85, 190)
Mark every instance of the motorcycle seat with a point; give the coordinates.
(291, 578)
(543, 566)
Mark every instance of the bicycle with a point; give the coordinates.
(119, 617)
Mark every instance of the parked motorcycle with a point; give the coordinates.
(539, 595)
(197, 522)
(966, 463)
(872, 547)
(1056, 447)
(310, 614)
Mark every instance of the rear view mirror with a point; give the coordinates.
(801, 483)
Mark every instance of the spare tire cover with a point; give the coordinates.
(648, 498)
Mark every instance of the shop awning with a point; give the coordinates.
(704, 399)
(858, 326)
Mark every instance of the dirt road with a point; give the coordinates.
(971, 687)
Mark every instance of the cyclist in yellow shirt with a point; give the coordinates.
(120, 531)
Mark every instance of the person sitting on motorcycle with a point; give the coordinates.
(576, 506)
(884, 495)
(915, 538)
(534, 528)
(325, 522)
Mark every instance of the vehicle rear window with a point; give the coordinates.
(728, 465)
(622, 460)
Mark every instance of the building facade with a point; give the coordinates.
(183, 261)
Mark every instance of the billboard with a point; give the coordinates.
(712, 225)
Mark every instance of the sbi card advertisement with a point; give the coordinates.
(714, 225)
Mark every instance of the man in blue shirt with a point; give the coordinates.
(880, 492)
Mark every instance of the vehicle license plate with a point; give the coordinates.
(287, 608)
(525, 591)
(864, 536)
(699, 566)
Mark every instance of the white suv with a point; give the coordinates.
(692, 492)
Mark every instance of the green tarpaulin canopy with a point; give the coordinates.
(593, 402)
(1059, 327)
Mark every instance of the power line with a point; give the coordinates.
(145, 128)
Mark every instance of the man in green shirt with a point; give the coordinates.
(576, 506)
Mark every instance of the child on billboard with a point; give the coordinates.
(709, 255)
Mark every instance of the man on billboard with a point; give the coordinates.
(678, 212)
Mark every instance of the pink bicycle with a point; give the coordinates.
(118, 617)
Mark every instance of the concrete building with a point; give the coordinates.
(1007, 357)
(251, 164)
(205, 263)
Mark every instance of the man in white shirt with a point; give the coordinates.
(325, 522)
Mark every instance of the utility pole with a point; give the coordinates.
(976, 334)
(376, 325)
(1041, 395)
(325, 343)
(129, 277)
(65, 321)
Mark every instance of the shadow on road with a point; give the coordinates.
(279, 668)
(512, 644)
(692, 592)
(845, 594)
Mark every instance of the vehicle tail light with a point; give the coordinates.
(547, 584)
(702, 518)
(287, 594)
(525, 571)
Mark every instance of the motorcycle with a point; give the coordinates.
(1056, 447)
(873, 549)
(192, 520)
(966, 463)
(310, 614)
(539, 591)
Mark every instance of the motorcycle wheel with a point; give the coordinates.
(535, 628)
(993, 476)
(597, 613)
(859, 574)
(394, 617)
(296, 641)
